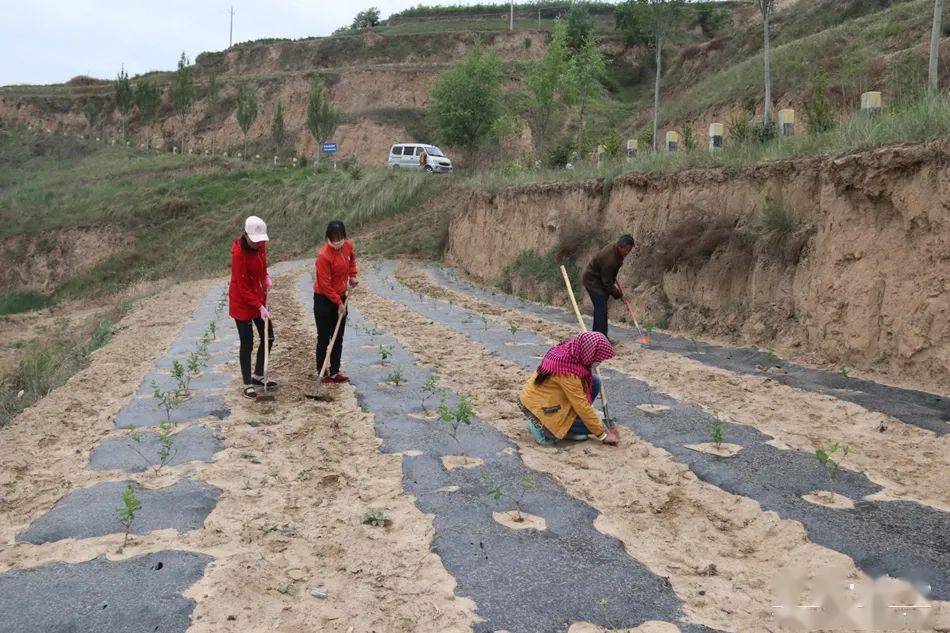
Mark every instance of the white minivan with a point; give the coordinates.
(406, 156)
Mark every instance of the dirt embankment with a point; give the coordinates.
(379, 82)
(844, 261)
(44, 260)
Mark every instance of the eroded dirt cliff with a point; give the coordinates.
(843, 261)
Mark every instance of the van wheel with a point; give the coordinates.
(429, 168)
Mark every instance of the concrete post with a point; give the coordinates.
(631, 148)
(672, 141)
(786, 122)
(716, 133)
(871, 103)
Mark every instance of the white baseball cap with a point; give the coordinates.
(256, 229)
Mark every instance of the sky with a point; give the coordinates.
(50, 41)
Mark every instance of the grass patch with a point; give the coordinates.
(920, 121)
(49, 362)
(184, 211)
(23, 301)
(538, 276)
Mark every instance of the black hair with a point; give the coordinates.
(625, 240)
(336, 229)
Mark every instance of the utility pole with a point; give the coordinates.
(511, 18)
(231, 29)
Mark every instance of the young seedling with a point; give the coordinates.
(126, 512)
(429, 388)
(376, 518)
(844, 372)
(718, 431)
(830, 465)
(513, 328)
(166, 442)
(496, 491)
(484, 322)
(194, 363)
(182, 377)
(213, 330)
(396, 377)
(167, 400)
(385, 351)
(455, 418)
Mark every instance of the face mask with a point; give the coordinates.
(337, 245)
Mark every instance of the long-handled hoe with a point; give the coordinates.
(644, 337)
(267, 395)
(608, 421)
(321, 392)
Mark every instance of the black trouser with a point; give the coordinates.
(246, 334)
(325, 313)
(600, 311)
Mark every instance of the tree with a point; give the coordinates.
(933, 84)
(322, 119)
(91, 111)
(182, 94)
(587, 69)
(212, 100)
(651, 21)
(545, 82)
(123, 98)
(246, 112)
(580, 26)
(465, 103)
(277, 127)
(147, 98)
(366, 19)
(766, 7)
(819, 114)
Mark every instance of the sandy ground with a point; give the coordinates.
(720, 552)
(283, 527)
(902, 458)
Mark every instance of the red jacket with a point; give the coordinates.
(248, 270)
(335, 268)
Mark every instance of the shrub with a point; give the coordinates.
(23, 301)
(819, 115)
(776, 219)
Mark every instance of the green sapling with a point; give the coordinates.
(167, 400)
(396, 377)
(718, 431)
(826, 459)
(385, 351)
(463, 413)
(429, 388)
(126, 512)
(497, 490)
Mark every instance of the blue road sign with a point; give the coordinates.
(329, 148)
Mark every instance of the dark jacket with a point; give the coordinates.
(601, 273)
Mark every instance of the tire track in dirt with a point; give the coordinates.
(719, 551)
(902, 458)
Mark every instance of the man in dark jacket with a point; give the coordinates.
(600, 278)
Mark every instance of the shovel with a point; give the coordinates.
(321, 392)
(267, 395)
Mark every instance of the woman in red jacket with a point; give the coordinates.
(248, 299)
(336, 274)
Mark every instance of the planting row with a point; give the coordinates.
(925, 410)
(903, 539)
(511, 537)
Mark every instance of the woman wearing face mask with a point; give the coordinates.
(336, 274)
(247, 300)
(558, 397)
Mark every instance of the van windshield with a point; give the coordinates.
(432, 150)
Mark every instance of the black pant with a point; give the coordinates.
(325, 313)
(600, 311)
(246, 334)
